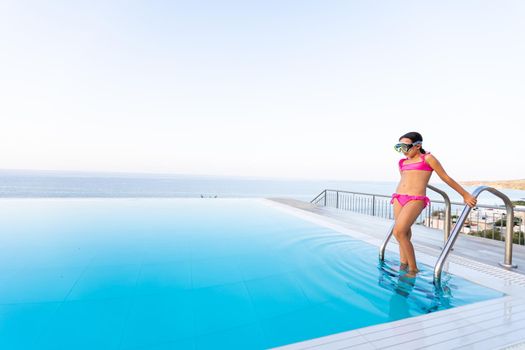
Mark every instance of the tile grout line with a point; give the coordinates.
(433, 316)
(63, 301)
(470, 325)
(438, 324)
(131, 304)
(258, 321)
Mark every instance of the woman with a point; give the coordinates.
(410, 196)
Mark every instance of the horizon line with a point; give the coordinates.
(127, 173)
(171, 174)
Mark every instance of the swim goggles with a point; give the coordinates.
(405, 147)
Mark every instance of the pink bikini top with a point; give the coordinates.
(415, 166)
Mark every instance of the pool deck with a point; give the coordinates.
(493, 324)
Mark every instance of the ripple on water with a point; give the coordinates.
(348, 269)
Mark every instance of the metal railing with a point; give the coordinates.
(485, 221)
(507, 262)
(364, 203)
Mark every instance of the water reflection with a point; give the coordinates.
(410, 296)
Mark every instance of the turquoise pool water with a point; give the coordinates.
(193, 274)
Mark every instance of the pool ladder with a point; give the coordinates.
(450, 237)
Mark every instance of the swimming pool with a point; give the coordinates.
(194, 274)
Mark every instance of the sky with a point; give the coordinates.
(275, 88)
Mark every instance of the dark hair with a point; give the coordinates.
(414, 136)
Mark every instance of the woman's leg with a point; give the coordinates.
(397, 210)
(405, 219)
(402, 255)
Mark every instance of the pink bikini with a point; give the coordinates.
(405, 198)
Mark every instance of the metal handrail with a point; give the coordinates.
(446, 228)
(507, 263)
(324, 194)
(319, 195)
(448, 211)
(352, 192)
(433, 201)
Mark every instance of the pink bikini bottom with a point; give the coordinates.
(405, 198)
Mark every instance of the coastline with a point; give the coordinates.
(506, 184)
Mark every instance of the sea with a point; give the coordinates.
(69, 184)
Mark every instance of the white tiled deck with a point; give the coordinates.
(494, 324)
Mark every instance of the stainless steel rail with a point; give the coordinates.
(446, 226)
(448, 211)
(338, 199)
(318, 198)
(507, 262)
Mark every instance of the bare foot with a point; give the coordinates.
(403, 266)
(412, 273)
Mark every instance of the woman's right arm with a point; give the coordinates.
(469, 199)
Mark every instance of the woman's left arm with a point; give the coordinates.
(436, 165)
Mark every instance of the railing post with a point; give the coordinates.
(325, 194)
(337, 199)
(385, 242)
(448, 245)
(373, 205)
(318, 197)
(507, 261)
(448, 206)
